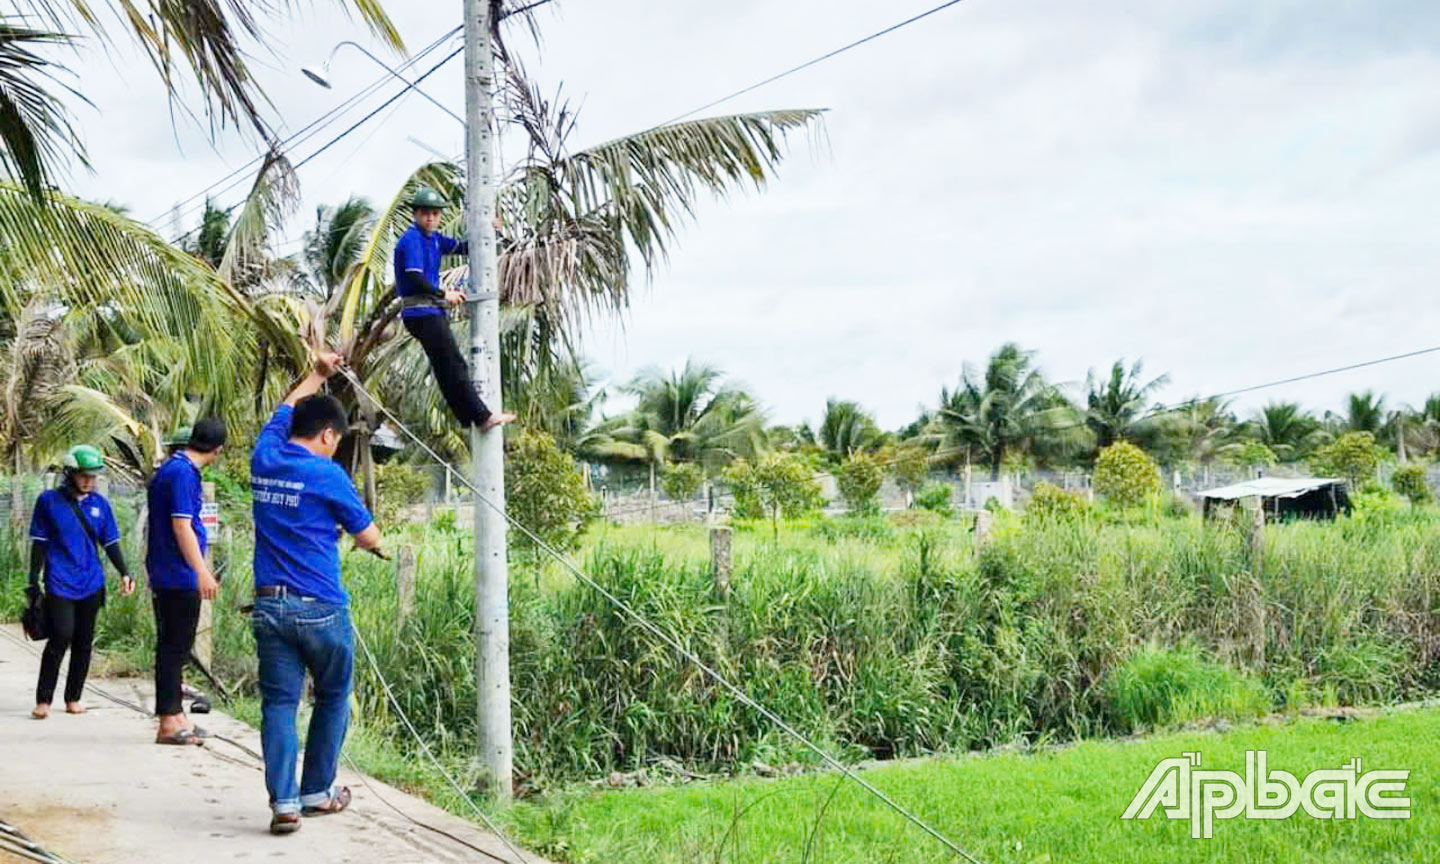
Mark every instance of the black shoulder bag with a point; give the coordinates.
(32, 620)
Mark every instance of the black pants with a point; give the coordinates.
(72, 628)
(452, 373)
(177, 612)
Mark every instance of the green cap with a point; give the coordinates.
(84, 459)
(428, 199)
(179, 438)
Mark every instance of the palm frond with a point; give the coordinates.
(35, 133)
(204, 37)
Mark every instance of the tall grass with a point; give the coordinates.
(883, 639)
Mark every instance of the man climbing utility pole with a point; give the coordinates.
(492, 614)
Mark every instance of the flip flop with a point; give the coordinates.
(184, 737)
(339, 801)
(200, 705)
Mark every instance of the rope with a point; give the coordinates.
(425, 748)
(663, 636)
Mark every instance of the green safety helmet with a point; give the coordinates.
(179, 438)
(84, 459)
(427, 199)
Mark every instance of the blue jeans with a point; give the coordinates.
(293, 635)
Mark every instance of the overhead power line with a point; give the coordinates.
(807, 64)
(309, 130)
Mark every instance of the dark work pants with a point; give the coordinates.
(177, 612)
(452, 373)
(72, 628)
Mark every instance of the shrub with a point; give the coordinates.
(682, 481)
(874, 528)
(397, 487)
(1409, 480)
(1173, 686)
(859, 479)
(780, 484)
(1049, 501)
(937, 498)
(1354, 456)
(545, 492)
(1125, 474)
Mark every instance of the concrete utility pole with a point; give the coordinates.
(492, 612)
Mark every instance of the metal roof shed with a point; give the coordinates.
(1281, 497)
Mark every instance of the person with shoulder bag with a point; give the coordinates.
(67, 530)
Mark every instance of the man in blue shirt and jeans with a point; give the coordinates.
(179, 575)
(302, 618)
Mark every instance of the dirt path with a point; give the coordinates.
(96, 790)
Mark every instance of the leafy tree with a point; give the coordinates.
(859, 479)
(545, 492)
(1125, 474)
(847, 429)
(1409, 480)
(779, 484)
(1116, 408)
(792, 439)
(1354, 456)
(909, 465)
(1010, 407)
(682, 481)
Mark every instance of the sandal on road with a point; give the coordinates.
(284, 823)
(183, 738)
(339, 801)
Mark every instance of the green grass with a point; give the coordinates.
(1063, 803)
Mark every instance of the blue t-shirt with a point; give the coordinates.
(420, 253)
(174, 494)
(72, 561)
(299, 499)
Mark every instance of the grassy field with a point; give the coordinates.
(1064, 804)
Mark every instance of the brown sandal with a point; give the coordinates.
(338, 802)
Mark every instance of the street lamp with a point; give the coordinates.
(320, 77)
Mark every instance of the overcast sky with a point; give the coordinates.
(1234, 191)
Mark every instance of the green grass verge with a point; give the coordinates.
(1061, 806)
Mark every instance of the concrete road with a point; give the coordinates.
(95, 789)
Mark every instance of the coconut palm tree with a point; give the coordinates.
(1365, 412)
(692, 416)
(38, 361)
(1118, 408)
(1011, 407)
(1287, 429)
(846, 429)
(200, 43)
